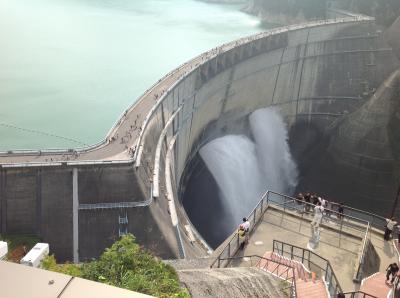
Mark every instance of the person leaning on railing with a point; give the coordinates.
(246, 226)
(389, 227)
(307, 200)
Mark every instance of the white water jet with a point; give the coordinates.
(275, 160)
(233, 162)
(244, 169)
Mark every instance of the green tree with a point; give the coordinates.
(126, 265)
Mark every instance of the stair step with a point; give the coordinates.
(375, 285)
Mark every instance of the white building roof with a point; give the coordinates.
(18, 281)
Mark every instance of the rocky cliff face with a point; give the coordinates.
(285, 12)
(253, 7)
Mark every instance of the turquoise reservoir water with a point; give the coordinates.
(70, 67)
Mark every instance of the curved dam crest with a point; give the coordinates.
(314, 74)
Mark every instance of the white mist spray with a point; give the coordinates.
(276, 163)
(232, 160)
(244, 170)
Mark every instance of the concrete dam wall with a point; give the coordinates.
(315, 74)
(316, 77)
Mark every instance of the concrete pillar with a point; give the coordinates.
(3, 202)
(75, 216)
(39, 202)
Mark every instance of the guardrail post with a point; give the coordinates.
(219, 262)
(341, 230)
(229, 249)
(262, 205)
(326, 274)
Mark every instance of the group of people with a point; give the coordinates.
(320, 205)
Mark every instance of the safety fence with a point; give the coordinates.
(356, 294)
(315, 263)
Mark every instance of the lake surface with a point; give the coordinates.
(69, 68)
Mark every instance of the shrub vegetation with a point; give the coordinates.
(127, 266)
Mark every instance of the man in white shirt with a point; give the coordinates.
(322, 201)
(246, 226)
(318, 212)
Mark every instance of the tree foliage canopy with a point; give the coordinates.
(127, 266)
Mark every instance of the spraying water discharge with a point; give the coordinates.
(244, 167)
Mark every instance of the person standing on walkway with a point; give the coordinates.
(318, 213)
(322, 201)
(307, 201)
(396, 230)
(246, 224)
(242, 237)
(341, 211)
(389, 228)
(392, 269)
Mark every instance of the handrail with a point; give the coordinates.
(326, 209)
(332, 282)
(366, 213)
(358, 275)
(357, 294)
(291, 279)
(233, 245)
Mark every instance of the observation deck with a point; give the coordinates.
(350, 256)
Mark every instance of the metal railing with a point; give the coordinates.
(375, 221)
(274, 267)
(356, 294)
(234, 242)
(315, 263)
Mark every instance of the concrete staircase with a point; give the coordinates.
(232, 283)
(306, 286)
(375, 285)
